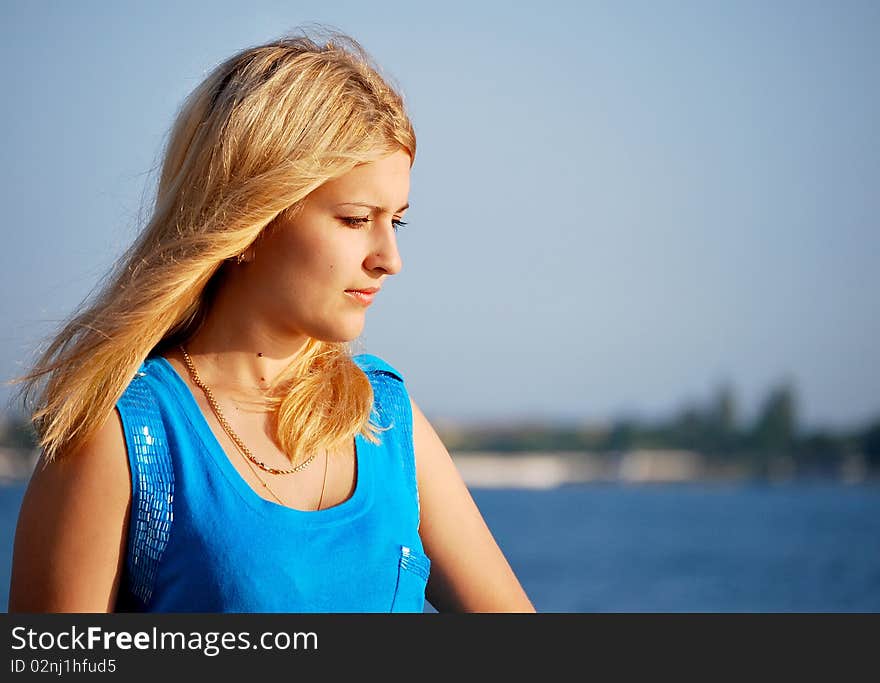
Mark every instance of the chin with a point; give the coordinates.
(338, 335)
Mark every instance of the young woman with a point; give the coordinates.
(209, 442)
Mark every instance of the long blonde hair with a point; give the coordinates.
(263, 130)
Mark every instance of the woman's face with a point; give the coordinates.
(299, 275)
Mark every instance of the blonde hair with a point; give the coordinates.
(263, 130)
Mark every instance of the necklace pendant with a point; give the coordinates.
(194, 376)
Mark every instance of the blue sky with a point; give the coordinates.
(615, 206)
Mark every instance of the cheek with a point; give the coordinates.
(333, 259)
(322, 270)
(313, 262)
(305, 259)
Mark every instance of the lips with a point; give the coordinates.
(362, 296)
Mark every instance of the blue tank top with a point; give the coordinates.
(201, 539)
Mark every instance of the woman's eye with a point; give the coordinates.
(355, 221)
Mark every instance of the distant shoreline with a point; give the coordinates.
(546, 470)
(551, 469)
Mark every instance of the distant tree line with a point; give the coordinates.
(711, 430)
(17, 434)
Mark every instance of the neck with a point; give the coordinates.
(240, 353)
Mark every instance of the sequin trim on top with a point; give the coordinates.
(152, 486)
(396, 402)
(418, 563)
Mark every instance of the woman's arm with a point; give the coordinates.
(469, 573)
(70, 539)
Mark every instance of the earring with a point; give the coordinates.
(240, 258)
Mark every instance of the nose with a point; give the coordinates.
(384, 255)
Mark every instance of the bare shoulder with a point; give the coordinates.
(469, 572)
(96, 466)
(72, 526)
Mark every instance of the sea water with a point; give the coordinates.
(787, 547)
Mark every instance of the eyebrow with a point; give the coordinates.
(371, 206)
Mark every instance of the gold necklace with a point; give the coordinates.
(275, 495)
(240, 444)
(228, 429)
